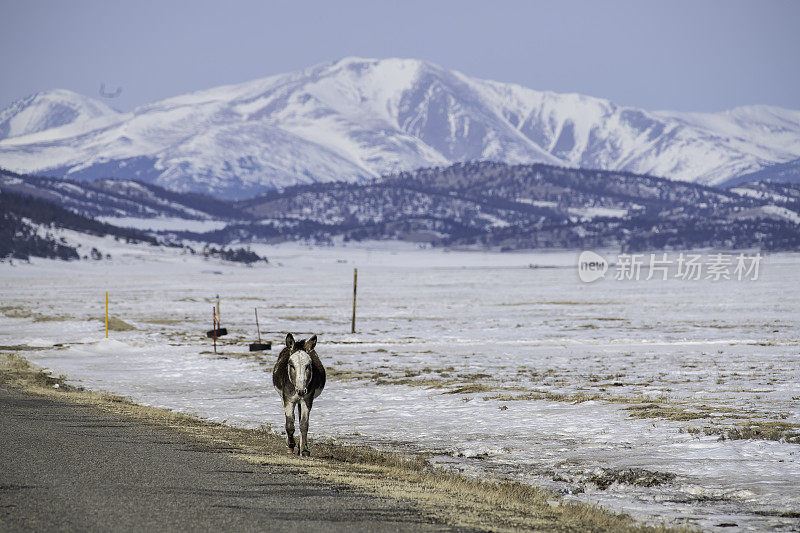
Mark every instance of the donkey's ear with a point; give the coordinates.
(310, 343)
(289, 340)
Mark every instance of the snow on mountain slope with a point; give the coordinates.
(788, 172)
(60, 109)
(590, 132)
(357, 118)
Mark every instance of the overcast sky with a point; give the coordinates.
(690, 56)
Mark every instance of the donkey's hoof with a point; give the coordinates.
(290, 449)
(306, 453)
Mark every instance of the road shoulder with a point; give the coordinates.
(74, 453)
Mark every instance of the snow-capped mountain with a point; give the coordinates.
(357, 118)
(64, 111)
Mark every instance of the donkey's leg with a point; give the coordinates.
(305, 410)
(288, 408)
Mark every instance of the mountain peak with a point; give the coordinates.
(50, 109)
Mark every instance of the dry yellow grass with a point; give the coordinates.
(22, 312)
(117, 324)
(453, 499)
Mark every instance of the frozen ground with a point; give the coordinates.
(616, 392)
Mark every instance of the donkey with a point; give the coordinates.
(299, 377)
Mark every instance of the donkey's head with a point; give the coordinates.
(300, 362)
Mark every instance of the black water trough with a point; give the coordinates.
(220, 332)
(259, 346)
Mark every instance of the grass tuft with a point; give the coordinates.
(117, 324)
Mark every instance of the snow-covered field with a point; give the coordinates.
(614, 392)
(164, 223)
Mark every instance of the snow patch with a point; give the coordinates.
(164, 223)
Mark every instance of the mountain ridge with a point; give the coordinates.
(357, 118)
(482, 205)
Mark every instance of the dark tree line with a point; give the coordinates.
(481, 204)
(22, 217)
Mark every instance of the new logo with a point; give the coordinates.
(591, 266)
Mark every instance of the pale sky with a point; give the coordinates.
(678, 55)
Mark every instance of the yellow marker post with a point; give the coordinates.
(106, 314)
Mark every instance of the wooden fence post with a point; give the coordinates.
(355, 288)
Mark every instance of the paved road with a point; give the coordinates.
(72, 467)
